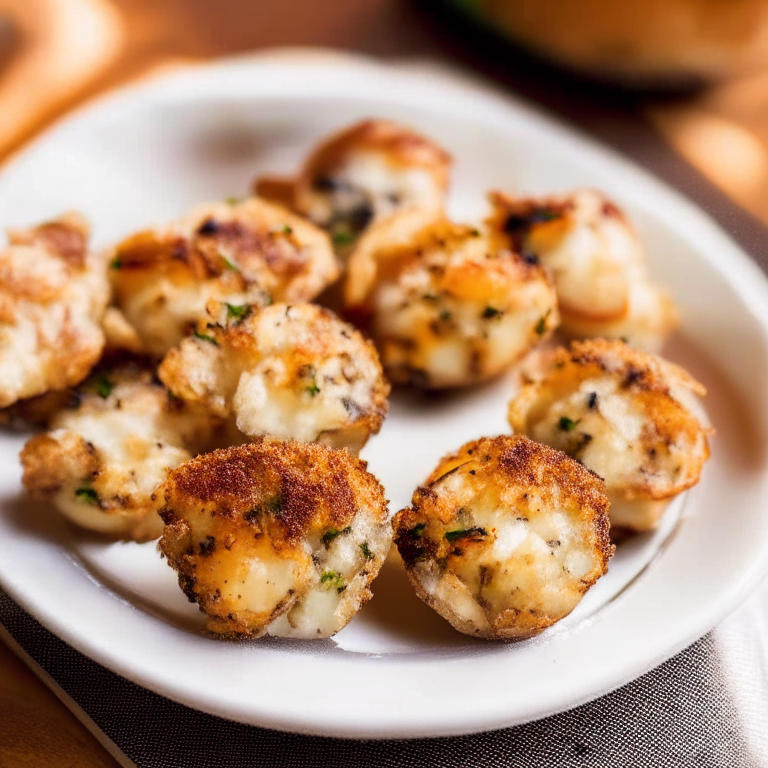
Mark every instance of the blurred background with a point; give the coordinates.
(679, 85)
(693, 73)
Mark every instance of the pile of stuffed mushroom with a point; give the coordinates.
(210, 382)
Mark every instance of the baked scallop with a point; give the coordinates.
(505, 537)
(366, 172)
(597, 263)
(276, 537)
(631, 417)
(53, 292)
(106, 453)
(287, 370)
(446, 304)
(248, 252)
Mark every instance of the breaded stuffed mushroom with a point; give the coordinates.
(287, 370)
(366, 172)
(276, 537)
(629, 416)
(249, 252)
(445, 304)
(597, 262)
(53, 292)
(106, 454)
(505, 537)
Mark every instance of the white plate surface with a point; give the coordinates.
(397, 670)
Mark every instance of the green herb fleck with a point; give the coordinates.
(367, 552)
(312, 389)
(625, 339)
(333, 579)
(490, 312)
(332, 533)
(237, 311)
(287, 229)
(104, 386)
(446, 314)
(232, 200)
(465, 533)
(475, 232)
(115, 263)
(229, 264)
(417, 530)
(342, 237)
(541, 326)
(567, 424)
(205, 337)
(87, 494)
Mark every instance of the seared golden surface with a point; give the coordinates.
(53, 292)
(287, 370)
(276, 537)
(249, 252)
(108, 451)
(597, 263)
(367, 171)
(631, 417)
(446, 304)
(505, 537)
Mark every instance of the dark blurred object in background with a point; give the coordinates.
(656, 43)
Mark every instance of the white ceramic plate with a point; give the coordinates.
(397, 670)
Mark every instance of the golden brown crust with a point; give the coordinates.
(53, 293)
(449, 547)
(249, 251)
(273, 501)
(300, 357)
(446, 304)
(402, 146)
(595, 391)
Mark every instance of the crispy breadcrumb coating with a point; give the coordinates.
(446, 304)
(106, 454)
(276, 537)
(631, 417)
(597, 262)
(53, 292)
(505, 537)
(248, 252)
(287, 370)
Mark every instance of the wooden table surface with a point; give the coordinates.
(54, 54)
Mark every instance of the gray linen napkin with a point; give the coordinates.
(706, 707)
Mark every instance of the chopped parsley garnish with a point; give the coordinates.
(237, 311)
(367, 552)
(342, 237)
(87, 494)
(417, 530)
(229, 264)
(332, 533)
(465, 533)
(205, 337)
(333, 579)
(232, 200)
(115, 263)
(490, 312)
(446, 314)
(541, 326)
(625, 339)
(312, 389)
(475, 233)
(287, 229)
(104, 386)
(567, 424)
